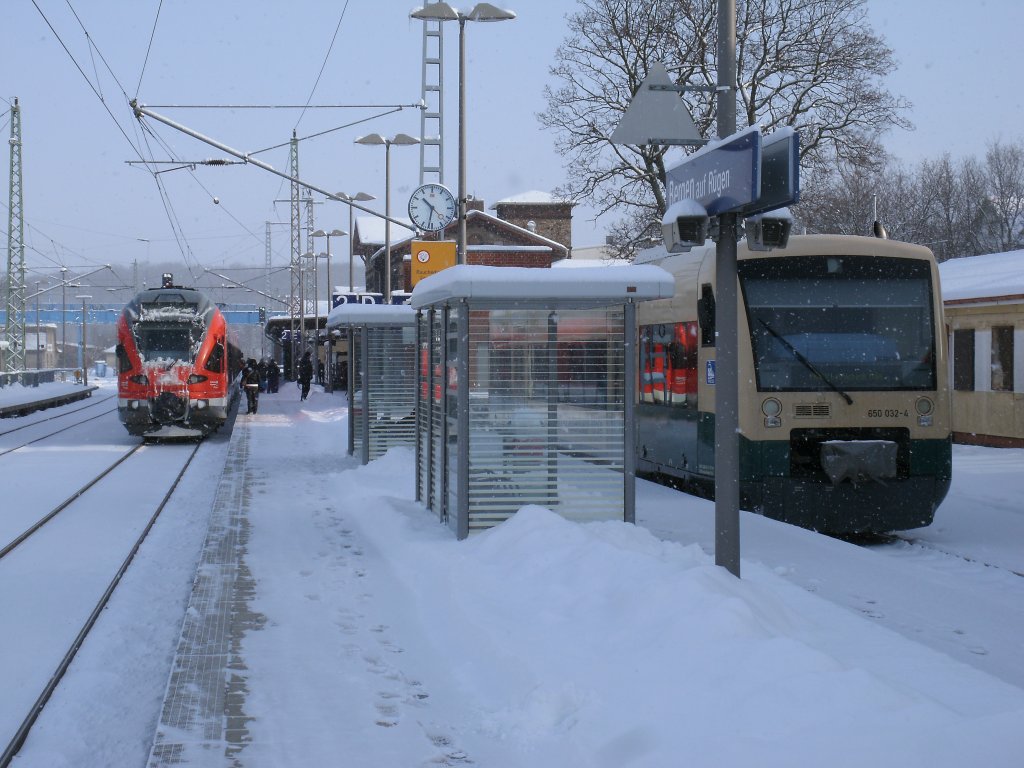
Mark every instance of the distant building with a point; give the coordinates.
(984, 307)
(530, 230)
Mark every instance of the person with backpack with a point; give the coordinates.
(251, 385)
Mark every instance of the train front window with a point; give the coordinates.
(164, 343)
(840, 323)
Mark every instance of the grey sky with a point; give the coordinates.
(85, 205)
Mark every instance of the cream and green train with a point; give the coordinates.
(844, 403)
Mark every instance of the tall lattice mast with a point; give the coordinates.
(309, 285)
(432, 94)
(14, 358)
(296, 261)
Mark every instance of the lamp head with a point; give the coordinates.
(488, 12)
(371, 138)
(436, 12)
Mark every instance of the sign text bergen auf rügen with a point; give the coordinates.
(723, 177)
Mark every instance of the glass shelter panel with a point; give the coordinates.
(546, 422)
(450, 407)
(391, 380)
(437, 414)
(356, 417)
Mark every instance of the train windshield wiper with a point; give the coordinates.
(805, 362)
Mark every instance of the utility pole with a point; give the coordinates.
(727, 441)
(15, 288)
(309, 287)
(296, 261)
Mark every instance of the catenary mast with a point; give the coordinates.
(14, 334)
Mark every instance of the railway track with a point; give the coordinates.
(93, 402)
(52, 547)
(36, 438)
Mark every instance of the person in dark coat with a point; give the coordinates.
(251, 385)
(305, 374)
(262, 367)
(273, 376)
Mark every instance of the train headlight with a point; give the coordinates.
(196, 378)
(139, 378)
(201, 404)
(925, 408)
(771, 408)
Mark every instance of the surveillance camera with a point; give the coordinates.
(216, 201)
(768, 230)
(684, 225)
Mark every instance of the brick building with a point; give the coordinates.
(530, 230)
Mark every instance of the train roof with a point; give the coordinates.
(172, 304)
(692, 267)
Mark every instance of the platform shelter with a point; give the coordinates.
(381, 376)
(527, 383)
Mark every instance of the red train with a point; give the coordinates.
(178, 363)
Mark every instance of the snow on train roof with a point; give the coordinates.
(371, 314)
(474, 281)
(982, 277)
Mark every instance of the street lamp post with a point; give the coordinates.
(357, 197)
(85, 364)
(329, 362)
(441, 11)
(402, 139)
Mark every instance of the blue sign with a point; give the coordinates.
(723, 178)
(709, 372)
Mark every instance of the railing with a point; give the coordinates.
(36, 376)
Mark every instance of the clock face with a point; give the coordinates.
(432, 207)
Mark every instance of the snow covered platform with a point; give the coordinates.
(335, 621)
(18, 400)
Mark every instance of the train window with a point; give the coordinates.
(1002, 358)
(668, 364)
(124, 363)
(215, 362)
(867, 327)
(171, 342)
(706, 316)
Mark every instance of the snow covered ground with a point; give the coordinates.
(383, 641)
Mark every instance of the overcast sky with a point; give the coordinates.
(84, 205)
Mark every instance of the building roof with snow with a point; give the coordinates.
(988, 277)
(533, 197)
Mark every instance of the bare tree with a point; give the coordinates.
(811, 64)
(1004, 171)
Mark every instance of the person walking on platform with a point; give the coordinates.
(251, 385)
(261, 366)
(305, 374)
(273, 376)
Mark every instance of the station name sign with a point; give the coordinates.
(722, 177)
(747, 173)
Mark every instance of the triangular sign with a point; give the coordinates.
(656, 116)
